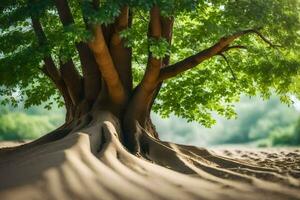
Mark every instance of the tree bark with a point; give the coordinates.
(109, 141)
(120, 54)
(91, 74)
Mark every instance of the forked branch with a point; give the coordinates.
(216, 49)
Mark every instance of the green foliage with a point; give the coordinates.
(159, 48)
(289, 135)
(194, 96)
(211, 87)
(15, 124)
(18, 126)
(259, 123)
(296, 138)
(260, 69)
(106, 14)
(283, 136)
(271, 122)
(295, 87)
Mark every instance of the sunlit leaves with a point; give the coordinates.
(42, 87)
(211, 87)
(159, 48)
(7, 40)
(197, 93)
(105, 14)
(259, 70)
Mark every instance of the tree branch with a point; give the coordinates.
(219, 47)
(235, 47)
(149, 80)
(68, 75)
(92, 77)
(155, 23)
(147, 90)
(91, 74)
(73, 81)
(50, 69)
(167, 33)
(120, 54)
(106, 65)
(259, 34)
(230, 68)
(142, 98)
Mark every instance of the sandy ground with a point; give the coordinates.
(284, 159)
(153, 181)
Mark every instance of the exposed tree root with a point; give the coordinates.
(91, 163)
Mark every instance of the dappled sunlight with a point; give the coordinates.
(103, 100)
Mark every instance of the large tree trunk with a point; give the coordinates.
(88, 159)
(108, 148)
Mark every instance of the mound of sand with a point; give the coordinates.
(88, 166)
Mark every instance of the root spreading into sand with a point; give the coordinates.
(92, 163)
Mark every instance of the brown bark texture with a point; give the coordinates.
(108, 147)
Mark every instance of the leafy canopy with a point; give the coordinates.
(212, 86)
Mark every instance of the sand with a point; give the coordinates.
(285, 159)
(93, 164)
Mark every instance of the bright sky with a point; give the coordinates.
(296, 103)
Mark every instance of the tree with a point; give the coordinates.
(112, 62)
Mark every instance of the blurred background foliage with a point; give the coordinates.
(258, 124)
(212, 86)
(19, 124)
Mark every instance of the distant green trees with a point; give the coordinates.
(264, 124)
(289, 135)
(258, 123)
(296, 137)
(16, 124)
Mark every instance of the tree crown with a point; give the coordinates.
(248, 47)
